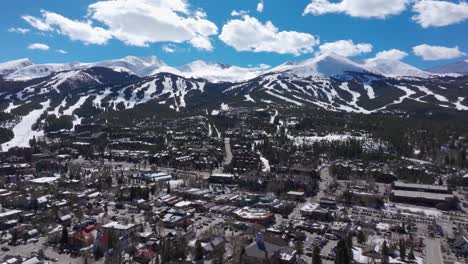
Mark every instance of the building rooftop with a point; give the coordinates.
(424, 195)
(399, 184)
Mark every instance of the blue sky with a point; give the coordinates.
(91, 31)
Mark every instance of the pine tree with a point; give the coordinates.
(299, 247)
(361, 237)
(218, 258)
(198, 251)
(349, 246)
(342, 253)
(385, 253)
(316, 259)
(411, 254)
(64, 240)
(402, 247)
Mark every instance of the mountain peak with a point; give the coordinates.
(325, 65)
(454, 67)
(14, 65)
(393, 68)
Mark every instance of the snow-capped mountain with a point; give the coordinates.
(141, 66)
(34, 71)
(455, 67)
(12, 66)
(325, 65)
(88, 93)
(393, 68)
(218, 72)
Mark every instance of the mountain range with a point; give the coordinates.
(325, 65)
(38, 98)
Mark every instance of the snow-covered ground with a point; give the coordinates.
(249, 98)
(459, 104)
(416, 210)
(369, 90)
(272, 119)
(266, 164)
(23, 132)
(309, 140)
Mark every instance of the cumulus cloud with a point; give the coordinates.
(260, 6)
(439, 13)
(248, 34)
(431, 53)
(75, 30)
(358, 8)
(141, 22)
(18, 30)
(345, 48)
(393, 54)
(61, 51)
(38, 46)
(134, 22)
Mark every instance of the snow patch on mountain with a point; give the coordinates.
(248, 98)
(23, 131)
(369, 90)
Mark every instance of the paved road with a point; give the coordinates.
(227, 146)
(432, 251)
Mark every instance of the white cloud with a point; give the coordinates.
(37, 23)
(358, 8)
(345, 48)
(439, 13)
(62, 51)
(38, 46)
(260, 6)
(249, 34)
(75, 30)
(239, 12)
(169, 48)
(141, 22)
(134, 22)
(431, 53)
(392, 54)
(18, 30)
(264, 66)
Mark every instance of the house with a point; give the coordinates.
(460, 246)
(263, 251)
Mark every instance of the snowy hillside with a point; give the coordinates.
(456, 67)
(326, 65)
(12, 66)
(393, 68)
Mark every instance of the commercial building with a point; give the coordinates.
(254, 215)
(422, 198)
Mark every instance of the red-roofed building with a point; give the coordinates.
(145, 256)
